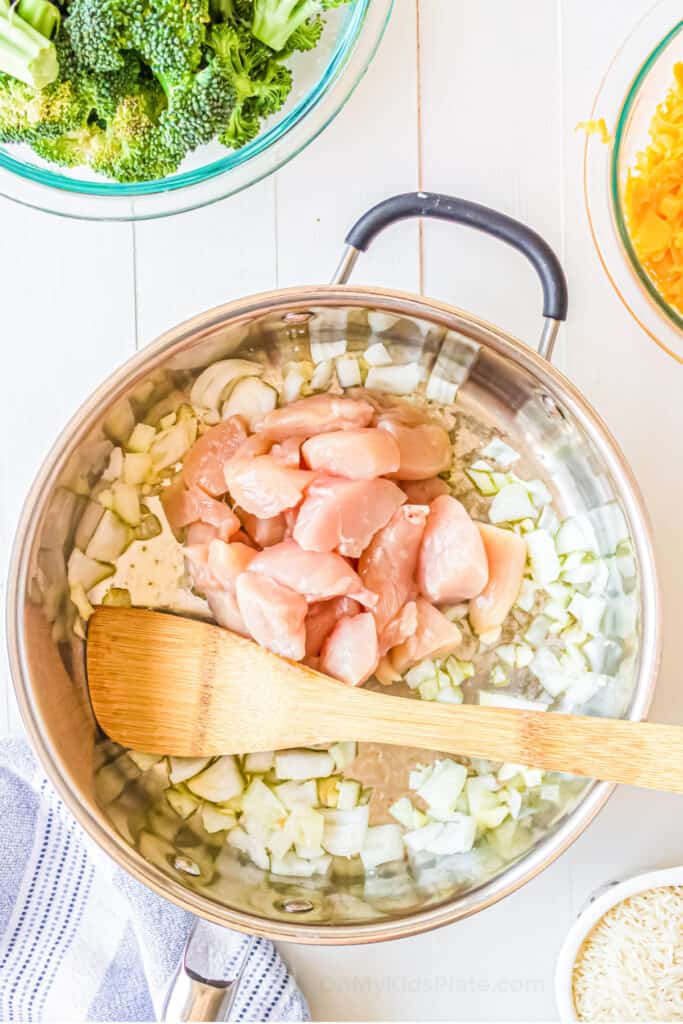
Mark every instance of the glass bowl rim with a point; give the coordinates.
(55, 193)
(616, 81)
(620, 133)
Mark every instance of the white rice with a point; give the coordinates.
(630, 966)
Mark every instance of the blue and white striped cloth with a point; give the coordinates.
(79, 938)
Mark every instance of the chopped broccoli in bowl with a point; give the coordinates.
(130, 88)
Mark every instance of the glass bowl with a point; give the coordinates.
(636, 81)
(323, 80)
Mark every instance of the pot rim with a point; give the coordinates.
(292, 300)
(589, 917)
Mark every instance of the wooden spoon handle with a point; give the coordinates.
(635, 753)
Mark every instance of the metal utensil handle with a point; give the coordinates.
(482, 218)
(206, 982)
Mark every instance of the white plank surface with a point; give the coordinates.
(485, 107)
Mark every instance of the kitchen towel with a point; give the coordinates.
(83, 941)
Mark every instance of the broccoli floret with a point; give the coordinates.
(171, 34)
(73, 149)
(243, 126)
(272, 89)
(237, 12)
(108, 89)
(305, 37)
(199, 106)
(24, 53)
(275, 21)
(168, 34)
(260, 83)
(104, 89)
(99, 31)
(27, 114)
(132, 147)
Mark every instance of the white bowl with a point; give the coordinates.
(589, 917)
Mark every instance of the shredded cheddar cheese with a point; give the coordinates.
(653, 198)
(597, 127)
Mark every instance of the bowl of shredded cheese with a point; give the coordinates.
(633, 174)
(623, 957)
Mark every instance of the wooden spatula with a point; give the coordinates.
(168, 685)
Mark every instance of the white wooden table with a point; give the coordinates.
(474, 97)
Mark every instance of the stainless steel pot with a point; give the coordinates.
(501, 384)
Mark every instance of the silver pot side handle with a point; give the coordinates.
(481, 218)
(207, 981)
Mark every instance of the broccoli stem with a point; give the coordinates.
(274, 21)
(41, 15)
(24, 53)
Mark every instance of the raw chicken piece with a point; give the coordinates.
(275, 616)
(345, 514)
(203, 466)
(425, 449)
(257, 444)
(227, 561)
(402, 626)
(506, 555)
(243, 538)
(452, 565)
(402, 410)
(357, 454)
(322, 618)
(316, 415)
(197, 567)
(184, 506)
(290, 515)
(435, 636)
(288, 452)
(423, 492)
(385, 673)
(264, 532)
(317, 575)
(200, 533)
(263, 486)
(225, 610)
(350, 652)
(214, 569)
(387, 566)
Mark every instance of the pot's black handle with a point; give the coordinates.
(462, 211)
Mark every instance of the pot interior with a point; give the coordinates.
(493, 387)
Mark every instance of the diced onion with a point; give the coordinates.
(251, 398)
(441, 390)
(575, 534)
(211, 385)
(344, 833)
(348, 372)
(500, 452)
(511, 504)
(396, 380)
(383, 844)
(441, 789)
(545, 565)
(303, 764)
(377, 354)
(259, 763)
(292, 384)
(183, 768)
(220, 782)
(588, 611)
(322, 375)
(323, 350)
